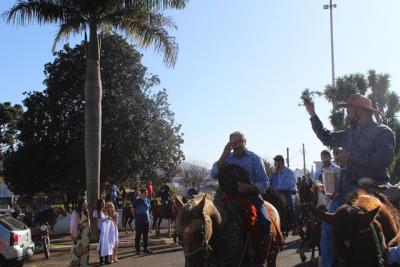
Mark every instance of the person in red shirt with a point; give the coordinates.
(149, 187)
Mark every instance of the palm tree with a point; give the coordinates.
(140, 20)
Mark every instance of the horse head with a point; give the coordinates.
(194, 227)
(317, 196)
(359, 228)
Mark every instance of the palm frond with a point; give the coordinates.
(166, 4)
(146, 28)
(66, 29)
(43, 11)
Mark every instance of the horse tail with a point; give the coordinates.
(275, 224)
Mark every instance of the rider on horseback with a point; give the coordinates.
(283, 182)
(367, 151)
(326, 164)
(255, 170)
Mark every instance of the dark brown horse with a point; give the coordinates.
(161, 212)
(278, 200)
(127, 218)
(311, 196)
(363, 228)
(212, 235)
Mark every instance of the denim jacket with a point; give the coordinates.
(371, 146)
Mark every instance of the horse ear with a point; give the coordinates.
(179, 202)
(368, 217)
(202, 203)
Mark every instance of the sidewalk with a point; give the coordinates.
(63, 242)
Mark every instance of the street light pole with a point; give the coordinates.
(331, 7)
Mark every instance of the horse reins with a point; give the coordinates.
(379, 245)
(203, 247)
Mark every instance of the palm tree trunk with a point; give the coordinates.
(93, 94)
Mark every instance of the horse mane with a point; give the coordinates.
(190, 210)
(388, 215)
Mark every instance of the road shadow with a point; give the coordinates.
(308, 264)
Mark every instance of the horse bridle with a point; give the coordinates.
(204, 247)
(380, 247)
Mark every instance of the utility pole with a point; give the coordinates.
(331, 7)
(304, 162)
(287, 157)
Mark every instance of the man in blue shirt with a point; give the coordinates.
(236, 153)
(114, 194)
(326, 164)
(326, 228)
(141, 211)
(284, 182)
(367, 149)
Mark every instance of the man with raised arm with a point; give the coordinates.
(367, 150)
(236, 153)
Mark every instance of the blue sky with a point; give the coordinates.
(242, 66)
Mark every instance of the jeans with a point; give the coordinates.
(290, 199)
(327, 253)
(142, 228)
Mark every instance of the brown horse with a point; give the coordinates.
(311, 196)
(278, 200)
(161, 212)
(363, 228)
(212, 234)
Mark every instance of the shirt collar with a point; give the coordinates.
(245, 153)
(366, 124)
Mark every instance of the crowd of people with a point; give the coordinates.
(106, 217)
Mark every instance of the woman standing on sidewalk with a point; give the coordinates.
(79, 228)
(113, 215)
(103, 224)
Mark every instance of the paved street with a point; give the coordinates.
(165, 254)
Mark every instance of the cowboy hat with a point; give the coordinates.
(360, 101)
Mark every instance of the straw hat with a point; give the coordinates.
(360, 101)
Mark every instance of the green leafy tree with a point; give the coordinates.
(141, 21)
(394, 170)
(375, 86)
(139, 131)
(9, 118)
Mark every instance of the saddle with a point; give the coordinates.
(240, 246)
(392, 192)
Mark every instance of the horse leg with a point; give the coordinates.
(169, 228)
(123, 223)
(158, 226)
(130, 223)
(155, 218)
(313, 254)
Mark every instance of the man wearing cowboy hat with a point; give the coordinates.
(367, 150)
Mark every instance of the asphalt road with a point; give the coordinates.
(164, 255)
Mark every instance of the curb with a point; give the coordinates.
(93, 246)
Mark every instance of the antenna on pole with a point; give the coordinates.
(304, 162)
(331, 7)
(287, 157)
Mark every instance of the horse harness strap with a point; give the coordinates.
(203, 247)
(379, 246)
